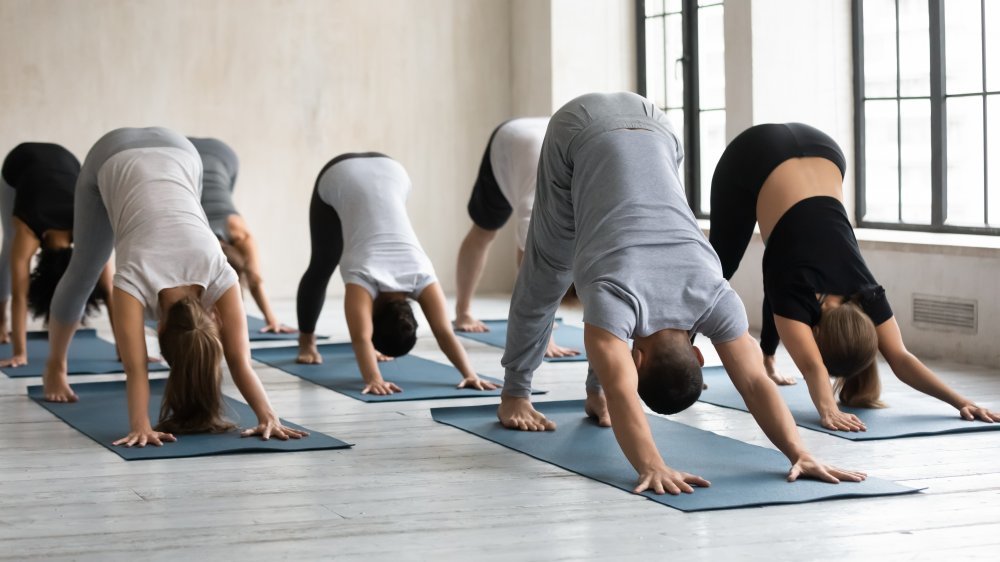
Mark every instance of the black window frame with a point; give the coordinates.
(939, 123)
(691, 102)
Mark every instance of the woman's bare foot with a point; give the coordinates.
(596, 408)
(518, 413)
(55, 387)
(772, 372)
(553, 350)
(467, 323)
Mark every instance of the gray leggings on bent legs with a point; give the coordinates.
(93, 241)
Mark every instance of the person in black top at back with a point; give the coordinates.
(36, 209)
(820, 298)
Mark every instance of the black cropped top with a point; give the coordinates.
(44, 177)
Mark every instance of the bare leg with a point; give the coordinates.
(772, 372)
(518, 413)
(471, 261)
(55, 383)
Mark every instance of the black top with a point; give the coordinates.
(812, 250)
(44, 176)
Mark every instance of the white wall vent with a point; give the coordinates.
(945, 314)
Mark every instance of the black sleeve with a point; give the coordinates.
(768, 330)
(792, 297)
(327, 245)
(875, 304)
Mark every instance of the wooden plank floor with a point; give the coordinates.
(415, 489)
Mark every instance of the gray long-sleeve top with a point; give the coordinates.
(220, 166)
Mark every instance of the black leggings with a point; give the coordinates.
(738, 179)
(327, 238)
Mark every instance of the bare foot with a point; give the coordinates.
(518, 413)
(596, 408)
(466, 323)
(55, 387)
(553, 350)
(775, 375)
(380, 357)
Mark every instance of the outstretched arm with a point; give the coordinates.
(432, 302)
(612, 360)
(130, 335)
(742, 360)
(911, 371)
(244, 242)
(236, 348)
(23, 249)
(358, 305)
(801, 345)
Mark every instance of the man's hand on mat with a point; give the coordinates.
(972, 412)
(553, 350)
(772, 372)
(596, 408)
(663, 479)
(381, 388)
(840, 421)
(272, 427)
(808, 467)
(518, 413)
(278, 328)
(145, 436)
(15, 361)
(476, 383)
(466, 323)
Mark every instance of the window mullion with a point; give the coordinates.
(939, 116)
(860, 204)
(692, 113)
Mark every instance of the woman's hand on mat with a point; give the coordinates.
(277, 328)
(145, 436)
(808, 467)
(840, 421)
(476, 383)
(381, 388)
(972, 412)
(663, 479)
(553, 350)
(774, 374)
(15, 361)
(466, 323)
(271, 427)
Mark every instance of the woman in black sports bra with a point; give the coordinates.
(36, 209)
(819, 295)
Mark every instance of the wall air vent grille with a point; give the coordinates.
(945, 314)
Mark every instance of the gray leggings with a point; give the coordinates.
(93, 241)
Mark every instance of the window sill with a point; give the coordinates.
(969, 245)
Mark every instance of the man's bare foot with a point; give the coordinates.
(55, 387)
(518, 413)
(553, 350)
(467, 323)
(596, 408)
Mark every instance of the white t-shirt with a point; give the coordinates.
(514, 158)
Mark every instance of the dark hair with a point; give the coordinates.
(192, 399)
(394, 329)
(52, 264)
(670, 377)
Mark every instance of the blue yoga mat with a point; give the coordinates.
(88, 355)
(742, 475)
(254, 326)
(102, 415)
(420, 379)
(566, 336)
(911, 416)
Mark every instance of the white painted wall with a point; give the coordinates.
(289, 84)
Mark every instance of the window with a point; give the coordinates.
(927, 114)
(681, 48)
